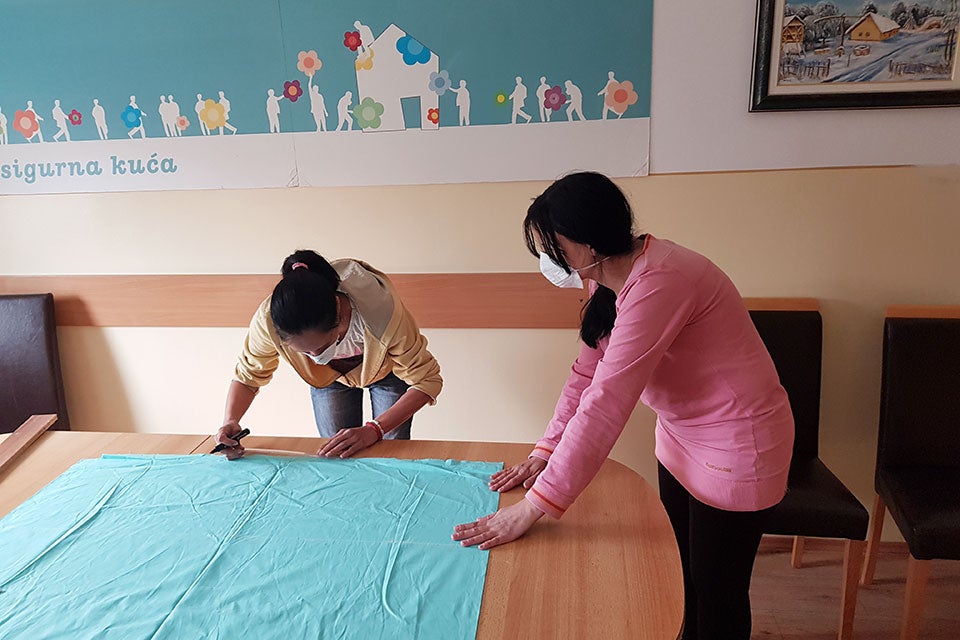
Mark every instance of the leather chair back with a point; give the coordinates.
(30, 380)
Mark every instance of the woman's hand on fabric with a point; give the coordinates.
(524, 473)
(506, 525)
(349, 441)
(234, 449)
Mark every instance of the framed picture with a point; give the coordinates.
(852, 54)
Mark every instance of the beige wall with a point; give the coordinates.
(857, 239)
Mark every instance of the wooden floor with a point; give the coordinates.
(790, 604)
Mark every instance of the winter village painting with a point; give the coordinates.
(852, 46)
(834, 42)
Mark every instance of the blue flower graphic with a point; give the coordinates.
(131, 117)
(413, 51)
(439, 82)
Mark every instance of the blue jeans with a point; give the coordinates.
(339, 406)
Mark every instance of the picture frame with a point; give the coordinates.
(842, 55)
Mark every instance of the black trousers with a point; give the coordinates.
(717, 549)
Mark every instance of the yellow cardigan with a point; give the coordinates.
(392, 342)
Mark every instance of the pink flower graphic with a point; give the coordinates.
(351, 40)
(182, 123)
(620, 95)
(308, 62)
(292, 90)
(26, 123)
(76, 118)
(554, 98)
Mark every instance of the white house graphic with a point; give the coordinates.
(395, 66)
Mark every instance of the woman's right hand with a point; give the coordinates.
(225, 435)
(524, 473)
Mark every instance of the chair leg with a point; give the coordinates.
(917, 573)
(852, 561)
(796, 558)
(873, 541)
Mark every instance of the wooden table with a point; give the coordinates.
(56, 451)
(609, 569)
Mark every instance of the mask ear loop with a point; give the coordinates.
(339, 320)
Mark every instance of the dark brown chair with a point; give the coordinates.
(817, 503)
(918, 449)
(30, 381)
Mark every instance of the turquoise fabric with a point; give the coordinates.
(187, 547)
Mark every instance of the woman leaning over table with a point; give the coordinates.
(666, 326)
(343, 328)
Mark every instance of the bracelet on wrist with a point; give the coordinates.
(376, 425)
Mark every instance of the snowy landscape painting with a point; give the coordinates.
(855, 53)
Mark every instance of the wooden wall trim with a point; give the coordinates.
(923, 311)
(437, 300)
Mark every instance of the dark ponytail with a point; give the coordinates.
(588, 208)
(598, 316)
(305, 299)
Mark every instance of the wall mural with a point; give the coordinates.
(243, 93)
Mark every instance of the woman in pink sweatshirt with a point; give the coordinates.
(666, 326)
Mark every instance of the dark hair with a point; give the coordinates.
(305, 299)
(588, 208)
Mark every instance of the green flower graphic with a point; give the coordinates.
(368, 113)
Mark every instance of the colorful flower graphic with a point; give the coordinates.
(620, 95)
(213, 115)
(413, 51)
(368, 113)
(501, 98)
(433, 115)
(554, 98)
(182, 123)
(76, 118)
(292, 90)
(439, 82)
(365, 61)
(351, 40)
(26, 123)
(132, 117)
(308, 62)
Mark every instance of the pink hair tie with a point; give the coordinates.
(297, 265)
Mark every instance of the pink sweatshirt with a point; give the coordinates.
(684, 344)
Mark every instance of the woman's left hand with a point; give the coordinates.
(349, 441)
(506, 525)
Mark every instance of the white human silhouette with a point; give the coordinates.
(344, 112)
(604, 92)
(463, 102)
(169, 125)
(100, 119)
(317, 106)
(61, 119)
(174, 115)
(273, 110)
(204, 130)
(366, 37)
(541, 97)
(519, 97)
(226, 114)
(39, 133)
(3, 127)
(576, 100)
(132, 132)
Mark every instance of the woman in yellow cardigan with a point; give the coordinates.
(343, 328)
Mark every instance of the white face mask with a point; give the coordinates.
(559, 277)
(351, 344)
(327, 354)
